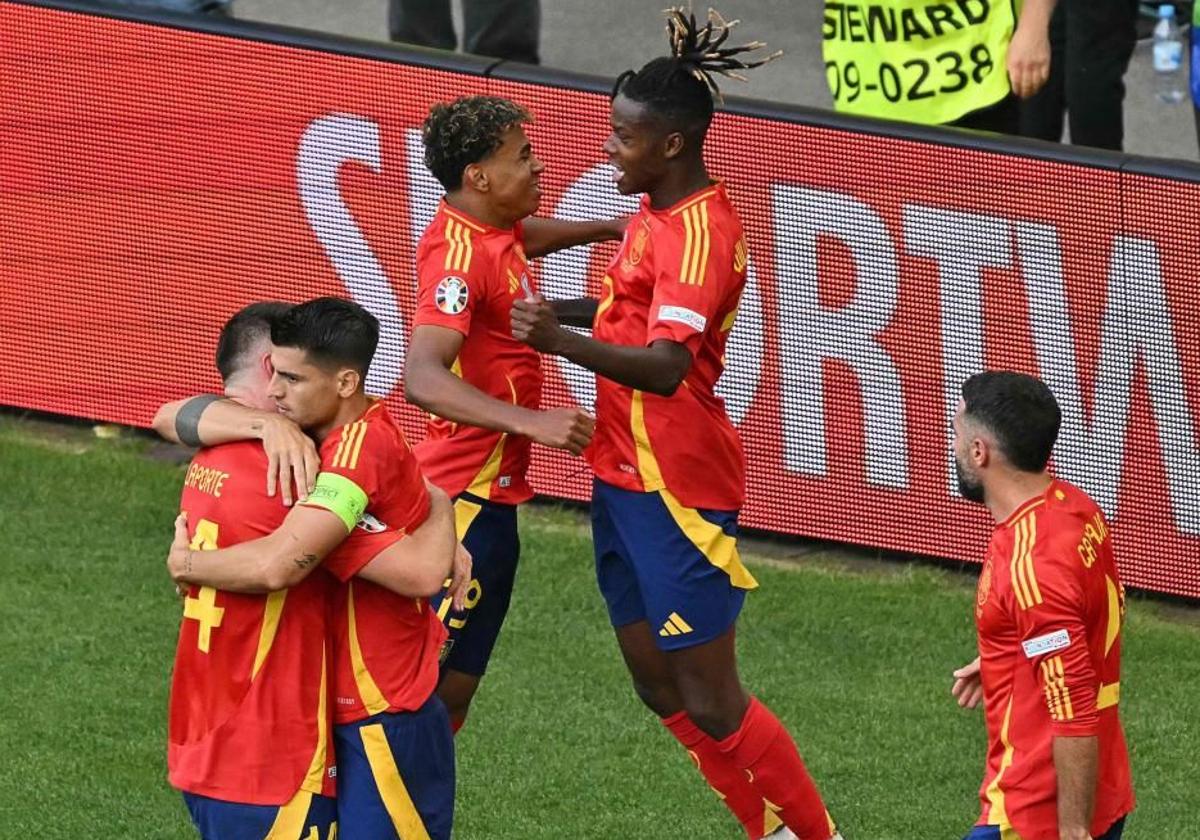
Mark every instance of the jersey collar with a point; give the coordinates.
(1031, 504)
(717, 188)
(468, 220)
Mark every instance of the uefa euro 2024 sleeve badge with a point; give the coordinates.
(451, 295)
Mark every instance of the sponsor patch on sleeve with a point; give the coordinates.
(1048, 643)
(451, 295)
(682, 315)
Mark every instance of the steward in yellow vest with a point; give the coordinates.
(934, 61)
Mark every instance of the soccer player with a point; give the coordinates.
(249, 742)
(481, 387)
(1048, 617)
(668, 463)
(394, 748)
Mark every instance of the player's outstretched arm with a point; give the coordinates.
(281, 559)
(545, 236)
(418, 565)
(658, 369)
(209, 420)
(576, 312)
(429, 383)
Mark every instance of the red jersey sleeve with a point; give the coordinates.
(451, 279)
(1049, 604)
(692, 282)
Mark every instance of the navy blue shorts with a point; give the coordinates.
(675, 567)
(991, 832)
(307, 816)
(396, 775)
(489, 531)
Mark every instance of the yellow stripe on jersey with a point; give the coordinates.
(1058, 696)
(1109, 695)
(372, 697)
(710, 539)
(452, 246)
(350, 445)
(647, 463)
(998, 812)
(464, 514)
(458, 258)
(270, 625)
(606, 296)
(290, 819)
(514, 282)
(314, 777)
(1113, 629)
(1024, 582)
(392, 791)
(481, 484)
(696, 245)
(730, 320)
(740, 256)
(694, 200)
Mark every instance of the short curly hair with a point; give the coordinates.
(466, 131)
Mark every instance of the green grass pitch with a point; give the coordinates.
(856, 661)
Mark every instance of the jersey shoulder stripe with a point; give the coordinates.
(697, 242)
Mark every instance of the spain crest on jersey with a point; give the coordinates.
(637, 246)
(451, 295)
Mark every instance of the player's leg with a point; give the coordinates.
(694, 584)
(305, 817)
(647, 664)
(425, 22)
(396, 776)
(489, 533)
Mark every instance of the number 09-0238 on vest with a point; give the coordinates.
(925, 61)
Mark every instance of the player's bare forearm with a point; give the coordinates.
(576, 312)
(658, 369)
(440, 392)
(281, 559)
(545, 236)
(1076, 765)
(177, 421)
(418, 565)
(208, 420)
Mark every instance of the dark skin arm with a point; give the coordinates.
(576, 312)
(545, 236)
(657, 369)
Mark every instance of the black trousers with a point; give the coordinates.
(506, 29)
(1091, 42)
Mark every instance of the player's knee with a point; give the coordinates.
(659, 698)
(716, 718)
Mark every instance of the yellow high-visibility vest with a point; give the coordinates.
(925, 61)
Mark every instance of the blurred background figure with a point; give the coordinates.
(507, 29)
(1091, 42)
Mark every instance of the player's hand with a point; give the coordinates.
(968, 688)
(292, 459)
(179, 558)
(563, 428)
(618, 227)
(460, 578)
(534, 322)
(1028, 59)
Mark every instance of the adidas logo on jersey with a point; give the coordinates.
(674, 626)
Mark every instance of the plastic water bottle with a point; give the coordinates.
(1168, 57)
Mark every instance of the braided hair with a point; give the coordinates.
(681, 87)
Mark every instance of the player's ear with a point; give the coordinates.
(348, 381)
(673, 145)
(476, 178)
(981, 452)
(268, 367)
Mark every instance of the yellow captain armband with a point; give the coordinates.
(341, 496)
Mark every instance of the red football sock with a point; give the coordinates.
(765, 751)
(730, 783)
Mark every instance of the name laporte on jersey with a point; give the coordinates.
(876, 22)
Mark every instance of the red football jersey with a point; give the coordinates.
(468, 275)
(679, 276)
(385, 646)
(1048, 613)
(249, 717)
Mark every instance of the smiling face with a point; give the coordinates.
(511, 176)
(639, 148)
(308, 393)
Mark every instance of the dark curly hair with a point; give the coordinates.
(680, 88)
(466, 131)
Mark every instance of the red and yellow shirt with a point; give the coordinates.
(248, 716)
(1049, 611)
(468, 275)
(385, 646)
(679, 276)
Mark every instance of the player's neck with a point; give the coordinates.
(476, 206)
(1016, 488)
(350, 409)
(678, 184)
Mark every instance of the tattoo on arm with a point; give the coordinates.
(187, 421)
(305, 560)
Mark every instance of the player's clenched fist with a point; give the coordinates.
(534, 322)
(563, 428)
